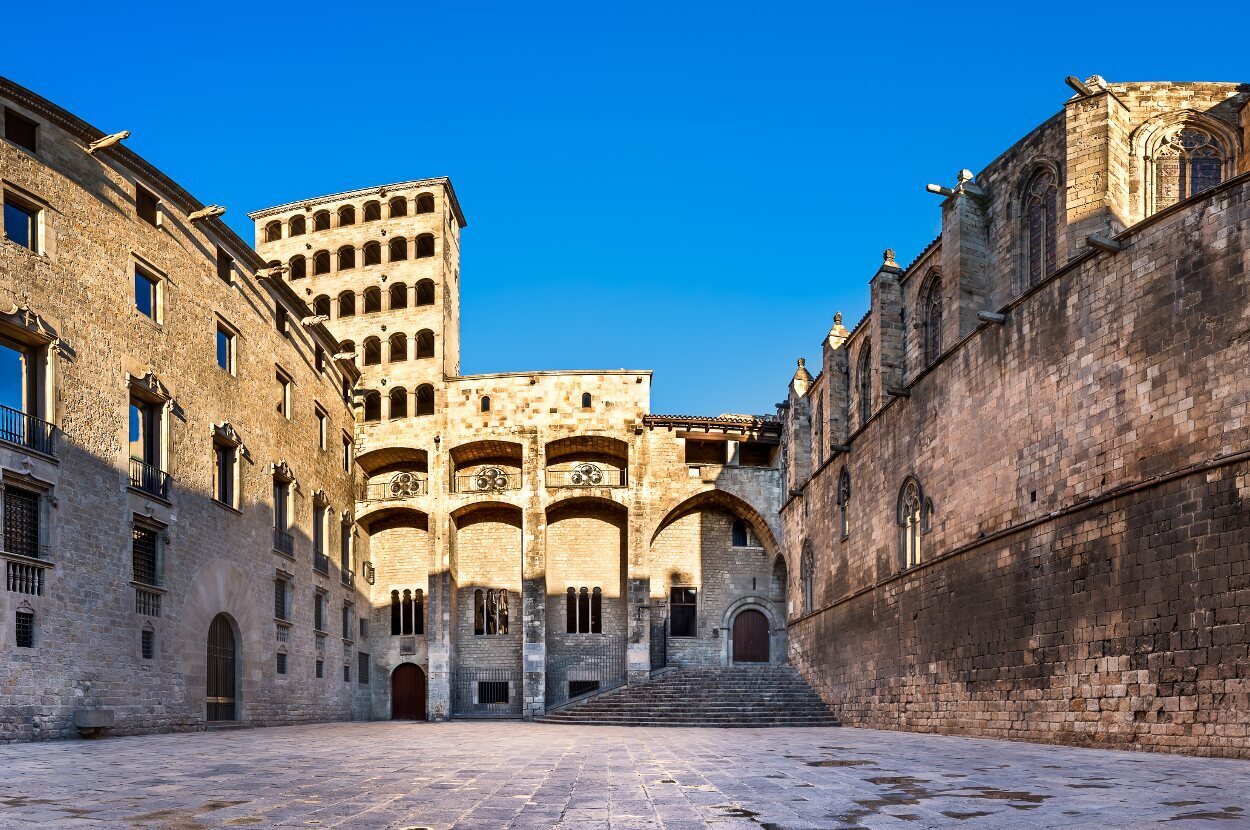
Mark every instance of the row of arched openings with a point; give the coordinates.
(407, 612)
(371, 300)
(422, 403)
(346, 215)
(345, 258)
(397, 347)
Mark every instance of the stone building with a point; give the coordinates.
(1017, 488)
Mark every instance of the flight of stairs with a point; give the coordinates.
(734, 696)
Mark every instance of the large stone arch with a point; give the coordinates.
(727, 501)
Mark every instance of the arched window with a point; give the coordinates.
(347, 216)
(347, 304)
(425, 245)
(931, 315)
(397, 249)
(321, 263)
(299, 267)
(398, 206)
(910, 500)
(490, 611)
(373, 253)
(1187, 162)
(425, 203)
(1038, 216)
(321, 306)
(373, 351)
(863, 385)
(425, 343)
(807, 572)
(586, 400)
(347, 258)
(321, 220)
(373, 406)
(399, 403)
(486, 403)
(296, 226)
(398, 347)
(399, 295)
(347, 346)
(741, 535)
(844, 501)
(373, 300)
(583, 611)
(372, 212)
(425, 292)
(418, 611)
(273, 231)
(425, 399)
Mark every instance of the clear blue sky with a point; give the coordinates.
(693, 189)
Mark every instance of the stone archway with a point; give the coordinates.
(223, 659)
(774, 626)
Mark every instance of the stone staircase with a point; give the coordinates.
(752, 696)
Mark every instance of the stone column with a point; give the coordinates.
(440, 594)
(533, 583)
(638, 573)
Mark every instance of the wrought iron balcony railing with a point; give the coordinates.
(321, 562)
(487, 480)
(283, 542)
(149, 479)
(586, 475)
(16, 427)
(348, 577)
(403, 485)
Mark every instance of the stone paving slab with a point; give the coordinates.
(519, 776)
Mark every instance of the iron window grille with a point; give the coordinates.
(147, 644)
(143, 549)
(25, 629)
(21, 522)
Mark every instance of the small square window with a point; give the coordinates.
(225, 266)
(281, 666)
(147, 295)
(25, 629)
(147, 206)
(21, 222)
(20, 130)
(148, 645)
(225, 348)
(321, 668)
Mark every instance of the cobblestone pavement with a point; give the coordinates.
(515, 775)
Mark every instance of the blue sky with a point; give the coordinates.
(689, 188)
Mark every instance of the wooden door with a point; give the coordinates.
(751, 637)
(407, 692)
(221, 670)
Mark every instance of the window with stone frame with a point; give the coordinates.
(320, 610)
(282, 599)
(931, 320)
(321, 220)
(23, 404)
(490, 612)
(22, 222)
(280, 662)
(298, 266)
(425, 292)
(24, 629)
(225, 473)
(1039, 210)
(863, 383)
(145, 557)
(321, 263)
(21, 130)
(910, 509)
(1188, 161)
(844, 501)
(147, 205)
(683, 613)
(147, 644)
(583, 611)
(372, 300)
(23, 521)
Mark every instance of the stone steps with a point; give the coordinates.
(737, 696)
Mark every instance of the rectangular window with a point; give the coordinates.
(225, 266)
(280, 320)
(223, 473)
(321, 359)
(20, 130)
(347, 673)
(319, 611)
(683, 617)
(323, 428)
(147, 295)
(281, 600)
(143, 556)
(147, 205)
(25, 629)
(144, 432)
(362, 668)
(281, 665)
(226, 348)
(20, 395)
(364, 629)
(492, 691)
(321, 669)
(347, 621)
(345, 548)
(347, 454)
(21, 222)
(706, 452)
(284, 394)
(21, 521)
(755, 454)
(148, 643)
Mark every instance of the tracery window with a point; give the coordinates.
(1187, 162)
(863, 386)
(931, 314)
(490, 612)
(844, 501)
(910, 506)
(1039, 226)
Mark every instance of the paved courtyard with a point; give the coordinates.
(515, 775)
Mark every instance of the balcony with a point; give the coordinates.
(23, 576)
(148, 479)
(586, 475)
(283, 542)
(16, 427)
(404, 485)
(147, 602)
(488, 480)
(321, 563)
(348, 577)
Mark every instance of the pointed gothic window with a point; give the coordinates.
(1188, 162)
(909, 522)
(807, 570)
(844, 501)
(863, 385)
(931, 314)
(1039, 226)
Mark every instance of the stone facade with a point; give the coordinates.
(1027, 518)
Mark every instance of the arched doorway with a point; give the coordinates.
(221, 670)
(750, 637)
(407, 692)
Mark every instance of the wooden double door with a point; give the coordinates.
(407, 692)
(750, 634)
